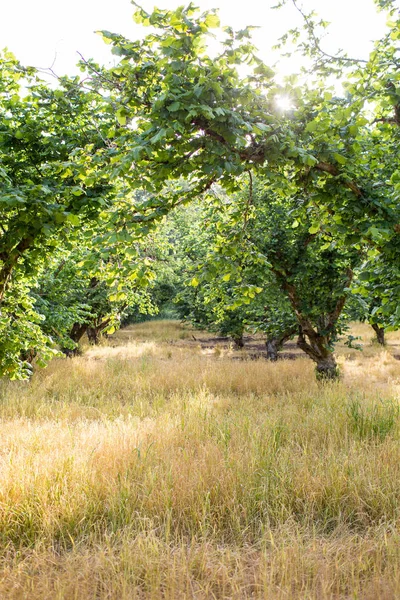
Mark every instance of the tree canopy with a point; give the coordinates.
(90, 168)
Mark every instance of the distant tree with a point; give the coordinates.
(75, 300)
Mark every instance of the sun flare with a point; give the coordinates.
(284, 103)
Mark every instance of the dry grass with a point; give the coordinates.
(148, 469)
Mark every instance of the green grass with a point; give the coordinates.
(373, 422)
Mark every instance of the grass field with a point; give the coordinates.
(161, 465)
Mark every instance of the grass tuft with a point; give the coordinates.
(373, 422)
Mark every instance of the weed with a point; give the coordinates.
(373, 422)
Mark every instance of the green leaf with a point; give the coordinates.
(73, 219)
(160, 135)
(212, 21)
(174, 106)
(342, 160)
(312, 126)
(121, 116)
(365, 276)
(310, 160)
(105, 36)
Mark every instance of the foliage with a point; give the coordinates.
(74, 298)
(50, 184)
(193, 121)
(96, 163)
(274, 272)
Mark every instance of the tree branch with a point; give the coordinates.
(335, 314)
(316, 42)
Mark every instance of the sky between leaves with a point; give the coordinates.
(52, 32)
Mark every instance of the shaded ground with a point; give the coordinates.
(254, 347)
(184, 336)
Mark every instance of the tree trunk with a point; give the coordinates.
(238, 341)
(380, 333)
(94, 331)
(272, 349)
(327, 369)
(76, 334)
(275, 344)
(93, 334)
(317, 348)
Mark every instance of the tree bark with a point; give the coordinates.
(95, 330)
(327, 369)
(380, 333)
(238, 341)
(272, 349)
(93, 334)
(76, 334)
(275, 344)
(317, 348)
(318, 345)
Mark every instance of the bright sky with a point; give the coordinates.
(41, 31)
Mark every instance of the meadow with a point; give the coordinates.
(165, 465)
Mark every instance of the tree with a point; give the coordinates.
(75, 299)
(187, 121)
(226, 297)
(376, 291)
(279, 252)
(372, 93)
(50, 184)
(169, 123)
(272, 315)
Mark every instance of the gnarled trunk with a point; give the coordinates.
(317, 348)
(272, 345)
(93, 334)
(327, 369)
(275, 344)
(380, 333)
(95, 330)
